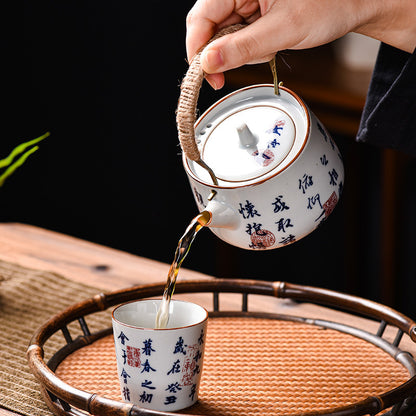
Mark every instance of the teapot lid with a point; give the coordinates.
(247, 135)
(248, 143)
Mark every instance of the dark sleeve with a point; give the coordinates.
(389, 115)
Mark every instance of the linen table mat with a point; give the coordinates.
(28, 298)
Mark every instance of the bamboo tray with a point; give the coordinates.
(256, 362)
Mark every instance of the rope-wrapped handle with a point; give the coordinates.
(186, 111)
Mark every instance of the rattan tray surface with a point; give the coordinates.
(256, 363)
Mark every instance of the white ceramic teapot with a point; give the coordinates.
(260, 163)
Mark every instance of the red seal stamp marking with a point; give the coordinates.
(262, 239)
(330, 204)
(133, 356)
(190, 366)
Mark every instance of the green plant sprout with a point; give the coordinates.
(10, 164)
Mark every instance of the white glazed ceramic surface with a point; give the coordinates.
(159, 369)
(281, 202)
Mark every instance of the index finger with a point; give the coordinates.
(203, 20)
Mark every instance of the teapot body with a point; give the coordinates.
(279, 206)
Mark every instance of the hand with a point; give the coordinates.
(275, 25)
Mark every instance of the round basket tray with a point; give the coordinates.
(256, 362)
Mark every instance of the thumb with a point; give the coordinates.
(252, 44)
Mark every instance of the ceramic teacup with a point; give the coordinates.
(159, 369)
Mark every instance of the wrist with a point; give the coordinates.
(390, 21)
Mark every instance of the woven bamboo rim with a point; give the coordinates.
(64, 399)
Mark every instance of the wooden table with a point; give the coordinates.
(111, 269)
(79, 260)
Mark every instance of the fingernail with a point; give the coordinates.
(211, 81)
(212, 61)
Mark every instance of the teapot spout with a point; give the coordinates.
(221, 215)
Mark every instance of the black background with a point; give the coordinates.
(103, 78)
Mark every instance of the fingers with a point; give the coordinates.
(215, 80)
(252, 44)
(203, 20)
(209, 16)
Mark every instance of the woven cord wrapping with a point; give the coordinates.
(186, 111)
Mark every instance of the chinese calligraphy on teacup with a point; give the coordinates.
(159, 369)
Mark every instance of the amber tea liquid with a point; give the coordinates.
(182, 250)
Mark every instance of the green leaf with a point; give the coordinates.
(12, 164)
(19, 162)
(20, 149)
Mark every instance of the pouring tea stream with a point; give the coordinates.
(262, 168)
(182, 250)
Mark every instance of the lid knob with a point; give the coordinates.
(247, 138)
